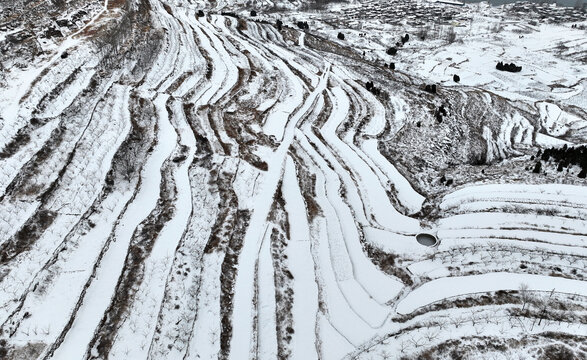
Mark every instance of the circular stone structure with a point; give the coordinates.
(426, 239)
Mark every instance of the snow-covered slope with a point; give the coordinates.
(180, 182)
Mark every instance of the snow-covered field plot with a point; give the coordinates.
(236, 180)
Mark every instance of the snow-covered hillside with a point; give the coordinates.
(190, 180)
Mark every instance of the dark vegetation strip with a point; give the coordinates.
(116, 176)
(24, 185)
(142, 242)
(307, 184)
(227, 237)
(22, 137)
(283, 278)
(138, 32)
(386, 262)
(228, 279)
(550, 345)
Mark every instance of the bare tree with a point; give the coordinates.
(416, 342)
(494, 254)
(491, 318)
(479, 329)
(545, 306)
(475, 248)
(457, 321)
(431, 335)
(422, 32)
(474, 318)
(128, 163)
(525, 295)
(451, 36)
(403, 347)
(497, 27)
(441, 323)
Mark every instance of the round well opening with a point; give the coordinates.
(426, 239)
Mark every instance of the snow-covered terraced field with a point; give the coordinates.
(181, 182)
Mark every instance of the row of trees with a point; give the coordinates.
(430, 88)
(402, 40)
(440, 113)
(508, 67)
(565, 156)
(371, 87)
(303, 25)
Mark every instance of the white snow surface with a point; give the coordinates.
(152, 213)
